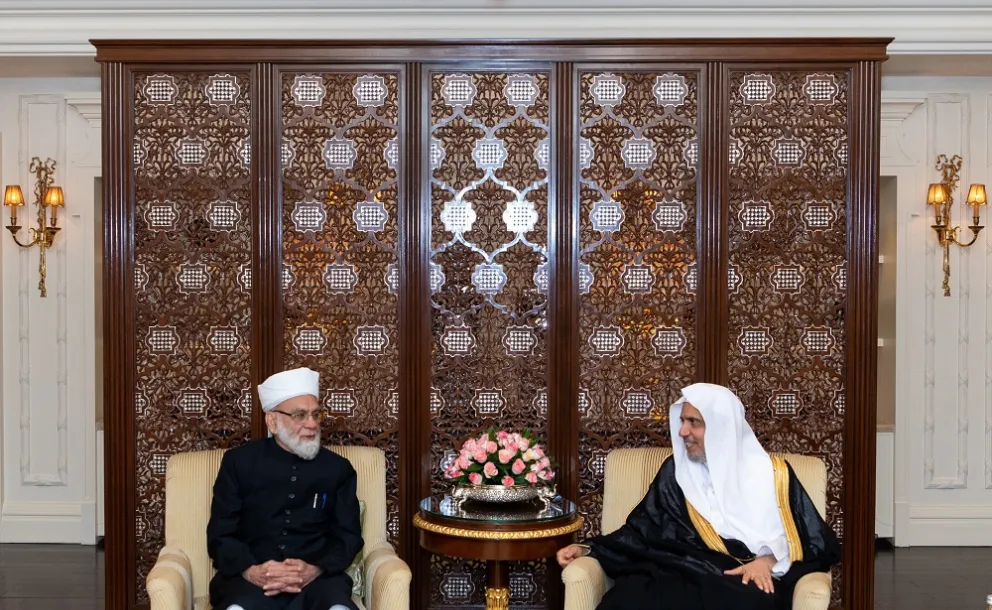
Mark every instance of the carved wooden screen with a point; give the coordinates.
(340, 161)
(490, 157)
(788, 261)
(192, 262)
(506, 237)
(638, 152)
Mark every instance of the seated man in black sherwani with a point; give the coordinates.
(723, 525)
(284, 523)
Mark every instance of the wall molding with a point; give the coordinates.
(42, 522)
(64, 27)
(897, 109)
(25, 285)
(89, 106)
(961, 288)
(988, 313)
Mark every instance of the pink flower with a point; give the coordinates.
(519, 466)
(490, 469)
(550, 474)
(536, 466)
(545, 462)
(480, 456)
(456, 473)
(542, 474)
(469, 446)
(464, 462)
(513, 447)
(476, 479)
(531, 478)
(492, 447)
(502, 435)
(529, 455)
(524, 443)
(538, 451)
(508, 481)
(505, 455)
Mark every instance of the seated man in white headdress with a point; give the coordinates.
(284, 523)
(723, 525)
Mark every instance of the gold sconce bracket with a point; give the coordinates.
(48, 199)
(941, 197)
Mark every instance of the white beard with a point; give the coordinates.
(305, 449)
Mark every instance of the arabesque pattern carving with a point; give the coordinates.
(192, 242)
(490, 155)
(637, 156)
(788, 241)
(340, 156)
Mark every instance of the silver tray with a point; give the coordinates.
(502, 494)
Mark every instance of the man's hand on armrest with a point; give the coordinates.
(570, 553)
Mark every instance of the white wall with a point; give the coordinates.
(943, 445)
(49, 468)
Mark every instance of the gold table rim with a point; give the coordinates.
(458, 532)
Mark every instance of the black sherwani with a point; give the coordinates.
(659, 560)
(270, 504)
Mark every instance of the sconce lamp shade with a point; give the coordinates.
(53, 197)
(12, 196)
(976, 195)
(937, 194)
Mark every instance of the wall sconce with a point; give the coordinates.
(47, 197)
(941, 196)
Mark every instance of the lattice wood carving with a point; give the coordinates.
(788, 240)
(637, 156)
(340, 156)
(489, 164)
(192, 243)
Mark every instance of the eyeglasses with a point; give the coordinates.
(301, 416)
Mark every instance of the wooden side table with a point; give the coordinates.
(496, 534)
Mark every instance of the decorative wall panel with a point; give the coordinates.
(192, 308)
(340, 156)
(637, 155)
(788, 241)
(489, 165)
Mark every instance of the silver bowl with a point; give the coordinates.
(502, 494)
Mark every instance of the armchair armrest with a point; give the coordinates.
(585, 584)
(387, 579)
(170, 582)
(812, 592)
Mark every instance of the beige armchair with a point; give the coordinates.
(628, 474)
(181, 577)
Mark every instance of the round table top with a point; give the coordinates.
(517, 513)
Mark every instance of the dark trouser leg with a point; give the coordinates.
(328, 591)
(236, 591)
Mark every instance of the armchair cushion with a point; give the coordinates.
(355, 569)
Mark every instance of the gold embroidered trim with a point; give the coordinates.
(712, 540)
(425, 525)
(782, 492)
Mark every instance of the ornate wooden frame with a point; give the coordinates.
(120, 58)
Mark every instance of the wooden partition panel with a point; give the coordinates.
(557, 235)
(490, 167)
(340, 276)
(637, 162)
(192, 219)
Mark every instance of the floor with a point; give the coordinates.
(55, 577)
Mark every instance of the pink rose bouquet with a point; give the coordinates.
(500, 457)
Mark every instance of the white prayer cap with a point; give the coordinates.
(288, 384)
